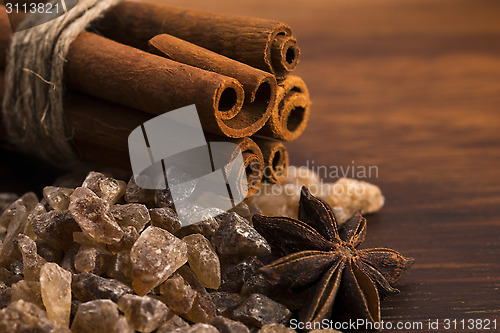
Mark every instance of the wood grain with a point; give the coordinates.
(412, 87)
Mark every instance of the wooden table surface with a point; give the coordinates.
(413, 88)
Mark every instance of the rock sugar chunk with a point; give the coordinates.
(173, 323)
(6, 199)
(236, 237)
(106, 188)
(88, 286)
(225, 325)
(92, 259)
(206, 227)
(112, 190)
(345, 196)
(82, 239)
(259, 310)
(352, 194)
(123, 325)
(57, 197)
(177, 294)
(56, 293)
(16, 225)
(234, 277)
(132, 214)
(165, 218)
(56, 228)
(95, 316)
(28, 229)
(130, 236)
(28, 291)
(225, 302)
(203, 260)
(28, 201)
(94, 217)
(276, 200)
(145, 313)
(121, 267)
(242, 210)
(155, 256)
(32, 261)
(191, 278)
(163, 198)
(93, 180)
(257, 284)
(302, 176)
(135, 193)
(202, 311)
(21, 316)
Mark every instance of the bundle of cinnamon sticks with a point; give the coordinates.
(141, 60)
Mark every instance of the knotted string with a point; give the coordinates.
(33, 113)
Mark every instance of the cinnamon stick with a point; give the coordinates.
(276, 160)
(291, 112)
(100, 131)
(264, 44)
(114, 128)
(259, 86)
(253, 161)
(124, 75)
(115, 124)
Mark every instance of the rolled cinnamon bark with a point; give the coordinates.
(291, 112)
(100, 131)
(115, 124)
(124, 75)
(264, 44)
(259, 86)
(252, 158)
(276, 160)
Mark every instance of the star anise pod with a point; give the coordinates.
(317, 253)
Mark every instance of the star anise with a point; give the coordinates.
(319, 254)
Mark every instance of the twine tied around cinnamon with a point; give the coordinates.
(33, 113)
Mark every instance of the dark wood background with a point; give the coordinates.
(412, 87)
